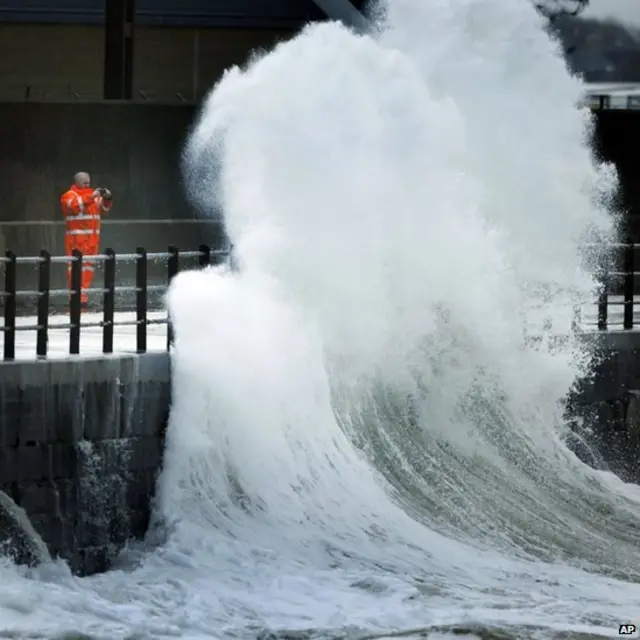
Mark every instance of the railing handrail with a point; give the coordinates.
(604, 101)
(116, 221)
(205, 255)
(103, 257)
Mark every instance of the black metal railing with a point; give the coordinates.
(44, 294)
(615, 280)
(618, 289)
(618, 101)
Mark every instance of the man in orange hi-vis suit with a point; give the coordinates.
(83, 207)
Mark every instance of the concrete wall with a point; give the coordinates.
(605, 408)
(80, 446)
(40, 62)
(617, 138)
(133, 149)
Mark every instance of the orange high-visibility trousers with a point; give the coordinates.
(88, 247)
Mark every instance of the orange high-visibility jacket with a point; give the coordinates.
(82, 213)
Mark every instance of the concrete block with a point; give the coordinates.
(606, 382)
(37, 498)
(140, 490)
(57, 534)
(10, 409)
(120, 529)
(67, 498)
(6, 466)
(139, 523)
(102, 458)
(633, 412)
(101, 496)
(37, 419)
(30, 463)
(70, 416)
(93, 560)
(153, 367)
(610, 415)
(44, 462)
(62, 461)
(102, 406)
(145, 409)
(57, 499)
(121, 455)
(145, 452)
(91, 533)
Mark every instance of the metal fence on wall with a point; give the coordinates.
(613, 309)
(44, 294)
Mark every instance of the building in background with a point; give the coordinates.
(111, 86)
(55, 49)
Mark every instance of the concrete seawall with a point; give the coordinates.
(80, 447)
(605, 408)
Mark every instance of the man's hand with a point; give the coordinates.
(105, 193)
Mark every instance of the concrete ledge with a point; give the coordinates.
(81, 442)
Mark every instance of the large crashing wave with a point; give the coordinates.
(398, 203)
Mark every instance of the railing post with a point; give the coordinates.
(231, 259)
(75, 302)
(547, 324)
(629, 282)
(44, 286)
(141, 300)
(173, 266)
(576, 316)
(10, 306)
(603, 302)
(204, 259)
(109, 299)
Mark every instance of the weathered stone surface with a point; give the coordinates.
(140, 488)
(633, 412)
(144, 418)
(58, 532)
(43, 461)
(101, 401)
(6, 466)
(80, 445)
(145, 452)
(9, 415)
